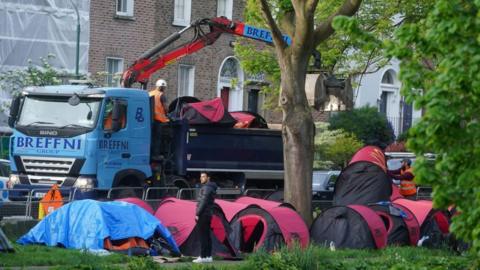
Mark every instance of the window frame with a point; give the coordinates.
(228, 9)
(129, 9)
(123, 102)
(187, 11)
(191, 80)
(113, 74)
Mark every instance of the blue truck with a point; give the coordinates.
(60, 137)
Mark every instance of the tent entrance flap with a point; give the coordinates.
(253, 232)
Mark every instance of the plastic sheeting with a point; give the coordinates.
(30, 29)
(85, 224)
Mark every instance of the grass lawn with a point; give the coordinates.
(51, 256)
(311, 258)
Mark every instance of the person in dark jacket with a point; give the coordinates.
(203, 217)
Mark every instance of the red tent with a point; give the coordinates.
(207, 112)
(265, 224)
(179, 217)
(266, 204)
(364, 180)
(371, 154)
(230, 208)
(395, 193)
(138, 202)
(434, 224)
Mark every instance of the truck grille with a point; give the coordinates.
(47, 170)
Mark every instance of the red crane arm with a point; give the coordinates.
(148, 63)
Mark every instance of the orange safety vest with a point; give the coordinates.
(160, 114)
(407, 187)
(108, 122)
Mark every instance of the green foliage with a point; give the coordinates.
(368, 125)
(391, 258)
(13, 81)
(313, 257)
(52, 256)
(441, 55)
(373, 18)
(142, 263)
(334, 148)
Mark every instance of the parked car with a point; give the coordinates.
(394, 159)
(323, 183)
(4, 173)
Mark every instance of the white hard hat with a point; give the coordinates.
(160, 83)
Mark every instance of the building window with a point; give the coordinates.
(186, 77)
(182, 12)
(387, 78)
(125, 8)
(224, 8)
(114, 69)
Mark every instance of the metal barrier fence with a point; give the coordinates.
(28, 208)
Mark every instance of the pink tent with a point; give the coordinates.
(138, 202)
(422, 210)
(230, 208)
(260, 223)
(395, 193)
(266, 204)
(179, 217)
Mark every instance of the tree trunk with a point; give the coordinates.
(297, 124)
(298, 136)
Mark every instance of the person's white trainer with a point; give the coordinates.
(203, 260)
(199, 260)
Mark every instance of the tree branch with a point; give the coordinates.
(311, 7)
(287, 23)
(276, 33)
(325, 29)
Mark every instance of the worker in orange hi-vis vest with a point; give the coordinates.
(160, 101)
(50, 202)
(406, 177)
(160, 132)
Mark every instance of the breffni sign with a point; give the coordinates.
(262, 34)
(48, 143)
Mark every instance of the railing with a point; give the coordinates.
(28, 208)
(401, 124)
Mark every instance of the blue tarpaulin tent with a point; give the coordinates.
(85, 224)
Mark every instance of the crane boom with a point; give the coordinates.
(152, 61)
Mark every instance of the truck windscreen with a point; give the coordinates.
(57, 112)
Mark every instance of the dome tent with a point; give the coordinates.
(258, 223)
(179, 217)
(89, 224)
(352, 226)
(364, 180)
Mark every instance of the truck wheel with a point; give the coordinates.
(180, 183)
(275, 196)
(127, 188)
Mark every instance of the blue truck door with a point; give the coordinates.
(114, 147)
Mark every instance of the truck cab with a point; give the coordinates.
(79, 137)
